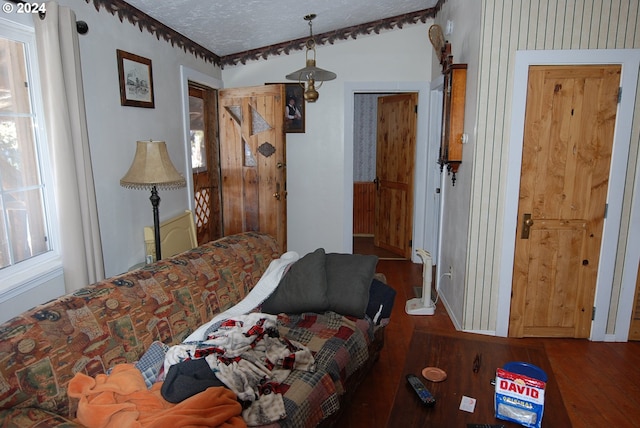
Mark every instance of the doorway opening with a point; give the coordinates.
(424, 212)
(205, 162)
(384, 146)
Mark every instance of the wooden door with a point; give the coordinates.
(568, 136)
(395, 153)
(205, 163)
(252, 160)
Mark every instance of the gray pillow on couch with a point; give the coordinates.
(320, 282)
(349, 277)
(302, 289)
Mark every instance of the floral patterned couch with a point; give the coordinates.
(116, 320)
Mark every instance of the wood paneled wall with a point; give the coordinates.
(507, 26)
(364, 200)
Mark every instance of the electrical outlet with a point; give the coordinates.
(451, 272)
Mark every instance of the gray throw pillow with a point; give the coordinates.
(302, 289)
(348, 279)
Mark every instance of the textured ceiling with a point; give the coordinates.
(230, 26)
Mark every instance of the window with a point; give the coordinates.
(25, 226)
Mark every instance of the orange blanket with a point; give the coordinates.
(122, 399)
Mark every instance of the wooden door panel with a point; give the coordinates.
(568, 137)
(252, 160)
(231, 161)
(393, 202)
(364, 203)
(551, 291)
(396, 145)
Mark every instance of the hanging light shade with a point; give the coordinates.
(310, 75)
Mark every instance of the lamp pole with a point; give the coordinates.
(155, 201)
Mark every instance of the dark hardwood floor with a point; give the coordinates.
(599, 382)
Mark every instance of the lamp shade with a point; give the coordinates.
(311, 72)
(151, 167)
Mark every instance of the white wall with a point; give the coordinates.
(317, 168)
(464, 39)
(114, 129)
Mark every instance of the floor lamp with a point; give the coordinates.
(152, 169)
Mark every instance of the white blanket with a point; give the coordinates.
(263, 289)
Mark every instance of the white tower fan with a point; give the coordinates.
(423, 305)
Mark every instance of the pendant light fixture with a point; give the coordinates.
(310, 75)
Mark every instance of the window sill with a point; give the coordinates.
(16, 280)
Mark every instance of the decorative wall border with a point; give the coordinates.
(331, 36)
(143, 21)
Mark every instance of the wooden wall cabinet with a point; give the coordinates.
(455, 86)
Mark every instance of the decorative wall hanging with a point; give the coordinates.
(136, 80)
(294, 115)
(454, 95)
(294, 108)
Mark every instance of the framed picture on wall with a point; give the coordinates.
(294, 116)
(136, 80)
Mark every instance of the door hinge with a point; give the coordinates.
(619, 94)
(593, 314)
(416, 108)
(606, 210)
(410, 243)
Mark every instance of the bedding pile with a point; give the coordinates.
(247, 354)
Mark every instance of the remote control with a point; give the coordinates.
(422, 391)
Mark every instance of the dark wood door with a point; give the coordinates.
(205, 161)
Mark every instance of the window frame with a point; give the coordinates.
(35, 269)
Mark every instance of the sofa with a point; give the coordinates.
(96, 330)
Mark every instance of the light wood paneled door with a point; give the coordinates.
(568, 136)
(252, 160)
(395, 154)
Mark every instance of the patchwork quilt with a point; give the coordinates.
(340, 346)
(250, 357)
